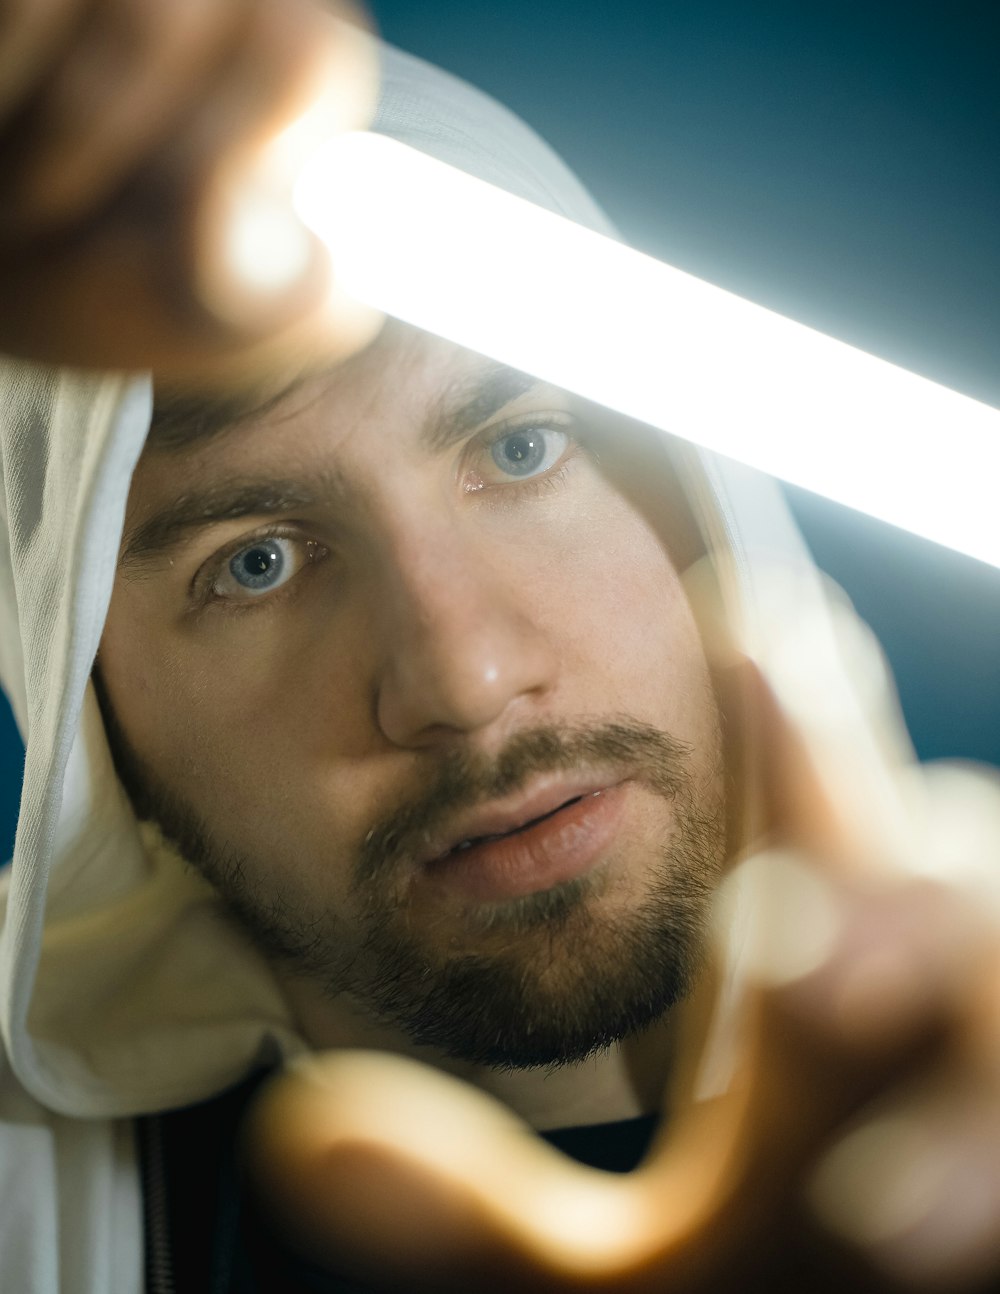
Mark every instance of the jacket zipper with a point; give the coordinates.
(159, 1258)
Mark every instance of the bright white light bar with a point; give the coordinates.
(460, 258)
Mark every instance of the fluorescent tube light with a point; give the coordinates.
(455, 256)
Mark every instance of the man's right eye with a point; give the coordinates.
(263, 566)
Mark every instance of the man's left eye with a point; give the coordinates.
(529, 451)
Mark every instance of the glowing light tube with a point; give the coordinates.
(460, 258)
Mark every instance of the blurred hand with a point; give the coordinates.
(854, 1142)
(137, 150)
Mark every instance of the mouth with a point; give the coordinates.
(552, 836)
(470, 842)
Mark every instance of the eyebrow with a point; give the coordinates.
(464, 405)
(472, 399)
(228, 501)
(181, 420)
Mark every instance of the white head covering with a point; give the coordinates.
(122, 990)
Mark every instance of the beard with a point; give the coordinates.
(551, 978)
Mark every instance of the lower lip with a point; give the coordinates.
(567, 844)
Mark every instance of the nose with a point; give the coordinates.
(463, 645)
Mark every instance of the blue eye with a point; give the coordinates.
(529, 450)
(262, 566)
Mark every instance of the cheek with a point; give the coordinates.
(144, 676)
(290, 686)
(618, 604)
(195, 704)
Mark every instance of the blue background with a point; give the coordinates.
(834, 161)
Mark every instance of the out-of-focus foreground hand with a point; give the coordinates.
(141, 179)
(854, 1140)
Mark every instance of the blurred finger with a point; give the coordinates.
(410, 1179)
(822, 739)
(850, 976)
(31, 32)
(915, 1187)
(181, 291)
(81, 143)
(914, 1184)
(248, 246)
(48, 313)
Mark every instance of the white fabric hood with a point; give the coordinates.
(121, 988)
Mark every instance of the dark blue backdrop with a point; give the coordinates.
(835, 160)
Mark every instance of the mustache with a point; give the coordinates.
(464, 779)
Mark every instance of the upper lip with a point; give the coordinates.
(500, 817)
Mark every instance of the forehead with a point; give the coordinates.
(403, 370)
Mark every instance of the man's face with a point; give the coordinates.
(404, 672)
